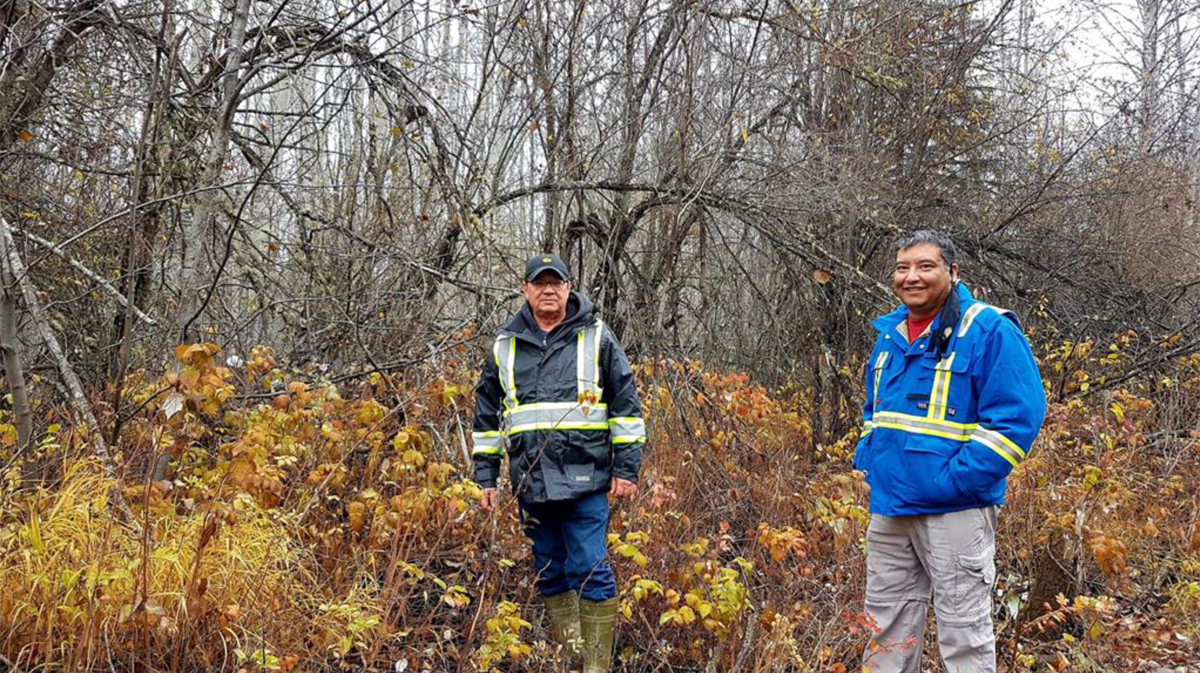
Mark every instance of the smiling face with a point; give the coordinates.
(547, 295)
(922, 279)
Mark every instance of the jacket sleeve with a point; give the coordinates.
(868, 409)
(1011, 407)
(486, 439)
(625, 424)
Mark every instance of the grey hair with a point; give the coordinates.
(928, 236)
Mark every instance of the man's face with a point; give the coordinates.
(547, 293)
(921, 278)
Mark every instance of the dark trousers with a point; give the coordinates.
(570, 546)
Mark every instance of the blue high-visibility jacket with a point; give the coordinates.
(942, 434)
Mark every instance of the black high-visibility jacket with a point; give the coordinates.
(565, 409)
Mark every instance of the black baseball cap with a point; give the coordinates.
(546, 262)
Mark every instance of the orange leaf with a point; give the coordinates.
(822, 276)
(358, 516)
(25, 135)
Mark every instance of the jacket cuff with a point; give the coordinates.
(486, 476)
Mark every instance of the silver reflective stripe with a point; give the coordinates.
(490, 442)
(923, 426)
(627, 429)
(962, 432)
(587, 360)
(1006, 448)
(505, 350)
(557, 416)
(973, 312)
(941, 388)
(879, 364)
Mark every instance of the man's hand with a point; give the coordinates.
(489, 499)
(623, 488)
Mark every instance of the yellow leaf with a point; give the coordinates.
(1118, 411)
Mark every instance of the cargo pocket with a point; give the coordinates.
(974, 576)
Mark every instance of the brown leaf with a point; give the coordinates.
(25, 135)
(822, 276)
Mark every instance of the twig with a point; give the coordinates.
(70, 379)
(91, 275)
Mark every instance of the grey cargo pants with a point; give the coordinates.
(951, 555)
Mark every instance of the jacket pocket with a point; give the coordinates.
(579, 476)
(591, 447)
(925, 472)
(944, 386)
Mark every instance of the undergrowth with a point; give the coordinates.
(307, 526)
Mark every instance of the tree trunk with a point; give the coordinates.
(13, 372)
(196, 240)
(70, 379)
(1149, 11)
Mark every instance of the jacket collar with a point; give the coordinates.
(893, 319)
(581, 312)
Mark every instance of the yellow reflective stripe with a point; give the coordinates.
(581, 383)
(512, 368)
(1000, 439)
(587, 359)
(556, 414)
(489, 442)
(555, 406)
(941, 388)
(879, 363)
(599, 330)
(999, 450)
(505, 366)
(868, 426)
(934, 394)
(564, 425)
(898, 417)
(944, 400)
(921, 430)
(961, 432)
(627, 429)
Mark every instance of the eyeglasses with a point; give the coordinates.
(542, 285)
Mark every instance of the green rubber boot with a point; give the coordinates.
(563, 612)
(597, 622)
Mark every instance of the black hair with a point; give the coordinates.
(928, 236)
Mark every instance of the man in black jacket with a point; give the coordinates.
(559, 394)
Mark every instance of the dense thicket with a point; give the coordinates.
(351, 187)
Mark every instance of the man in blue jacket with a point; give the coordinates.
(954, 402)
(558, 396)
